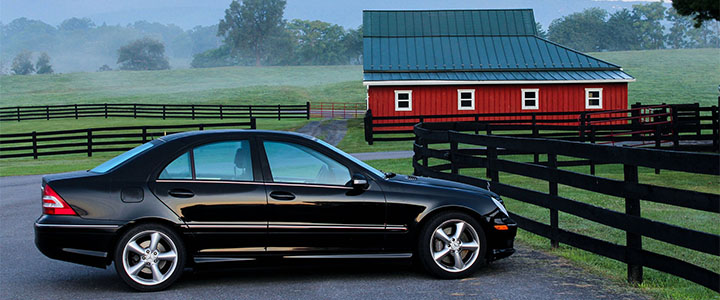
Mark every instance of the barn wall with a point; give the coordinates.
(434, 100)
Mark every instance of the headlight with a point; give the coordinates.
(500, 205)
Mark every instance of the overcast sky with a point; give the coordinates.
(189, 13)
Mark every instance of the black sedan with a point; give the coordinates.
(236, 195)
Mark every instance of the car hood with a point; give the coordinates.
(434, 182)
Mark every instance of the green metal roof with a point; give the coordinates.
(467, 41)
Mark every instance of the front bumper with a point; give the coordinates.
(500, 242)
(78, 242)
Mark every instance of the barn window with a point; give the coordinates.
(466, 99)
(530, 99)
(403, 100)
(593, 98)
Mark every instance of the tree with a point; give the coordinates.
(43, 64)
(76, 24)
(622, 31)
(143, 54)
(22, 65)
(353, 43)
(318, 43)
(540, 31)
(700, 10)
(583, 31)
(648, 23)
(248, 25)
(104, 68)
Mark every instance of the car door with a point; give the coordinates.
(217, 190)
(311, 205)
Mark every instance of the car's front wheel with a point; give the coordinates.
(150, 257)
(451, 245)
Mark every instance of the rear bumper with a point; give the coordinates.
(79, 242)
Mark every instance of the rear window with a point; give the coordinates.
(117, 160)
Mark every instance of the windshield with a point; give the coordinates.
(117, 160)
(353, 158)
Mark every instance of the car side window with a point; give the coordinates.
(294, 163)
(223, 161)
(178, 168)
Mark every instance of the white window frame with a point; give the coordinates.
(537, 98)
(409, 100)
(472, 99)
(587, 98)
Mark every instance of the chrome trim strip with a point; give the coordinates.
(86, 252)
(97, 226)
(201, 260)
(246, 226)
(244, 249)
(396, 227)
(309, 185)
(370, 255)
(325, 227)
(208, 181)
(298, 226)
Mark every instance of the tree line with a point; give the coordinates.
(644, 27)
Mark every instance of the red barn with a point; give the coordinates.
(479, 61)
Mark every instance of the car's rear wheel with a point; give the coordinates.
(150, 257)
(451, 245)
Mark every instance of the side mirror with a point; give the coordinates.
(360, 182)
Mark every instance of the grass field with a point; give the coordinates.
(658, 284)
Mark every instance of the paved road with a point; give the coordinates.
(26, 274)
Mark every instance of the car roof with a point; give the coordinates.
(199, 133)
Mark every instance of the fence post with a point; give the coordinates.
(592, 140)
(635, 120)
(491, 172)
(535, 133)
(633, 240)
(221, 112)
(201, 127)
(76, 112)
(163, 111)
(34, 145)
(250, 109)
(192, 111)
(134, 111)
(144, 134)
(18, 113)
(553, 191)
(368, 122)
(658, 136)
(106, 111)
(89, 142)
(47, 112)
(453, 156)
(278, 111)
(307, 110)
(477, 124)
(716, 127)
(675, 127)
(582, 127)
(253, 123)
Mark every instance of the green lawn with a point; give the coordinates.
(228, 85)
(656, 283)
(670, 76)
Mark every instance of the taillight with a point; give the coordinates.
(53, 204)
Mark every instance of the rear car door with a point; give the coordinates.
(311, 205)
(217, 189)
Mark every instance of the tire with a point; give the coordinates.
(468, 247)
(145, 268)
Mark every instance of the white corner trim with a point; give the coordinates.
(537, 99)
(409, 108)
(472, 99)
(485, 82)
(587, 98)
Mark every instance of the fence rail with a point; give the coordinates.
(337, 110)
(157, 111)
(682, 127)
(91, 140)
(459, 156)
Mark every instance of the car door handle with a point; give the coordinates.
(283, 196)
(181, 193)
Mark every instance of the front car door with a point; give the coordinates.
(217, 189)
(312, 206)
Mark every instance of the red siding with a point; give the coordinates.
(435, 100)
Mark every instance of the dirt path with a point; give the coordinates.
(331, 131)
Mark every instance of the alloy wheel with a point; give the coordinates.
(150, 257)
(454, 245)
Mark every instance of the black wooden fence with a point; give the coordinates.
(680, 126)
(157, 111)
(458, 157)
(92, 140)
